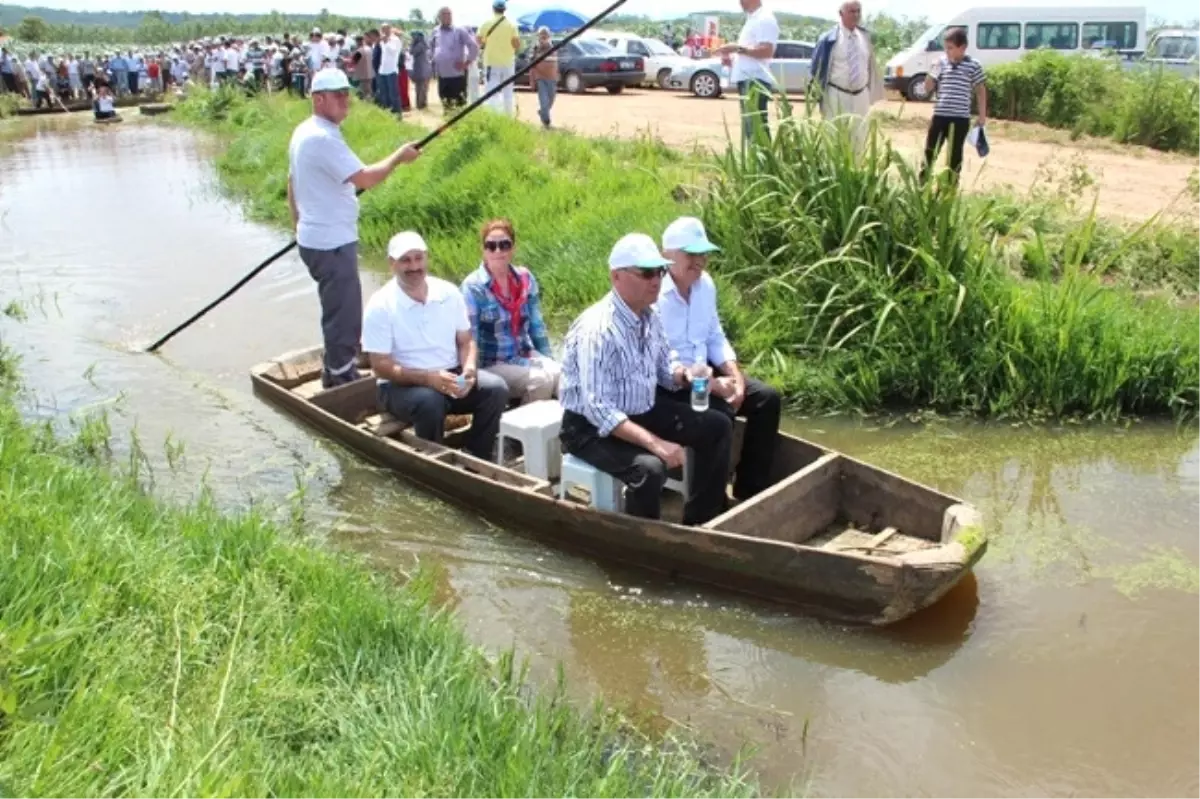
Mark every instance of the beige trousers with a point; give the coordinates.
(854, 108)
(538, 381)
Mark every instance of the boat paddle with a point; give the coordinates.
(420, 145)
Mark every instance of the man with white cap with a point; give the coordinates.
(687, 304)
(418, 336)
(322, 178)
(618, 414)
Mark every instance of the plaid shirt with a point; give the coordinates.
(493, 324)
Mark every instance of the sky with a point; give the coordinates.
(475, 10)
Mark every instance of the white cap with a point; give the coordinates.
(330, 80)
(404, 243)
(636, 250)
(687, 233)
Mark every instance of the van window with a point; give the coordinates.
(637, 48)
(792, 50)
(1105, 35)
(935, 44)
(1174, 47)
(999, 36)
(1055, 35)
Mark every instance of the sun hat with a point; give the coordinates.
(403, 243)
(330, 80)
(636, 250)
(687, 233)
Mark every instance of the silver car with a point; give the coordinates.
(708, 78)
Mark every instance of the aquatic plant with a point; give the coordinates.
(876, 289)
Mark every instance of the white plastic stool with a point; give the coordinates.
(606, 490)
(536, 426)
(680, 486)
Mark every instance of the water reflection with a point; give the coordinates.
(1066, 665)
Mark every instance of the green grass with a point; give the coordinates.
(1152, 106)
(848, 285)
(9, 103)
(148, 649)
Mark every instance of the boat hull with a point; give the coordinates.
(746, 550)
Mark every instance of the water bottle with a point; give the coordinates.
(699, 376)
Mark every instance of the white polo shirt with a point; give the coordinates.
(760, 27)
(321, 164)
(419, 335)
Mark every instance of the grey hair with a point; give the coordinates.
(543, 29)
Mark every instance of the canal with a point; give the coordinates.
(1066, 665)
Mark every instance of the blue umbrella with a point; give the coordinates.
(556, 19)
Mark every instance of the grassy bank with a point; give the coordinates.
(156, 650)
(851, 287)
(1095, 96)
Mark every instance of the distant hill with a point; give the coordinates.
(11, 16)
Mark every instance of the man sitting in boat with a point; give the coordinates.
(687, 304)
(619, 411)
(418, 337)
(103, 104)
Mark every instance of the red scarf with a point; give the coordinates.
(513, 303)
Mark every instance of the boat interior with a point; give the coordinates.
(819, 498)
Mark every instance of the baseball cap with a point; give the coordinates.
(499, 5)
(687, 233)
(406, 242)
(330, 80)
(636, 250)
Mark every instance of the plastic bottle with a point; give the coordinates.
(699, 374)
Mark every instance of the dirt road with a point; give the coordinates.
(1133, 182)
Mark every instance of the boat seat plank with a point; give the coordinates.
(384, 424)
(890, 541)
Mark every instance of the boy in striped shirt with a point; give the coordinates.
(957, 76)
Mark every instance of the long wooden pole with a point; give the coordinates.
(421, 144)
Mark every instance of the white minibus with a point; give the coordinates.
(998, 34)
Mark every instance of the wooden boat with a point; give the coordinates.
(79, 105)
(108, 121)
(833, 535)
(154, 109)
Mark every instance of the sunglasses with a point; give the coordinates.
(648, 272)
(503, 245)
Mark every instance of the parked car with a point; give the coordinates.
(709, 78)
(586, 63)
(660, 59)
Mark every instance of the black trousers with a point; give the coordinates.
(452, 91)
(709, 434)
(761, 409)
(940, 129)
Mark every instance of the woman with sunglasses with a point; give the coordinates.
(505, 308)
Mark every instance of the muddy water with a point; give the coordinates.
(1067, 665)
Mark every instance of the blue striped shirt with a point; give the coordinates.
(613, 362)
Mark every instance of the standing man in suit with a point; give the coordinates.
(846, 69)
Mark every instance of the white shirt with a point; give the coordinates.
(760, 27)
(232, 57)
(32, 70)
(418, 335)
(315, 54)
(839, 59)
(389, 61)
(320, 165)
(73, 69)
(105, 104)
(693, 326)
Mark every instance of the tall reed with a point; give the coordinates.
(870, 288)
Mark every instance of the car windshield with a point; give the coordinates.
(594, 48)
(658, 48)
(1173, 47)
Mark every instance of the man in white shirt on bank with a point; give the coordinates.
(417, 333)
(323, 174)
(750, 61)
(390, 47)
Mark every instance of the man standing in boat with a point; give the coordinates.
(687, 304)
(417, 334)
(617, 412)
(322, 178)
